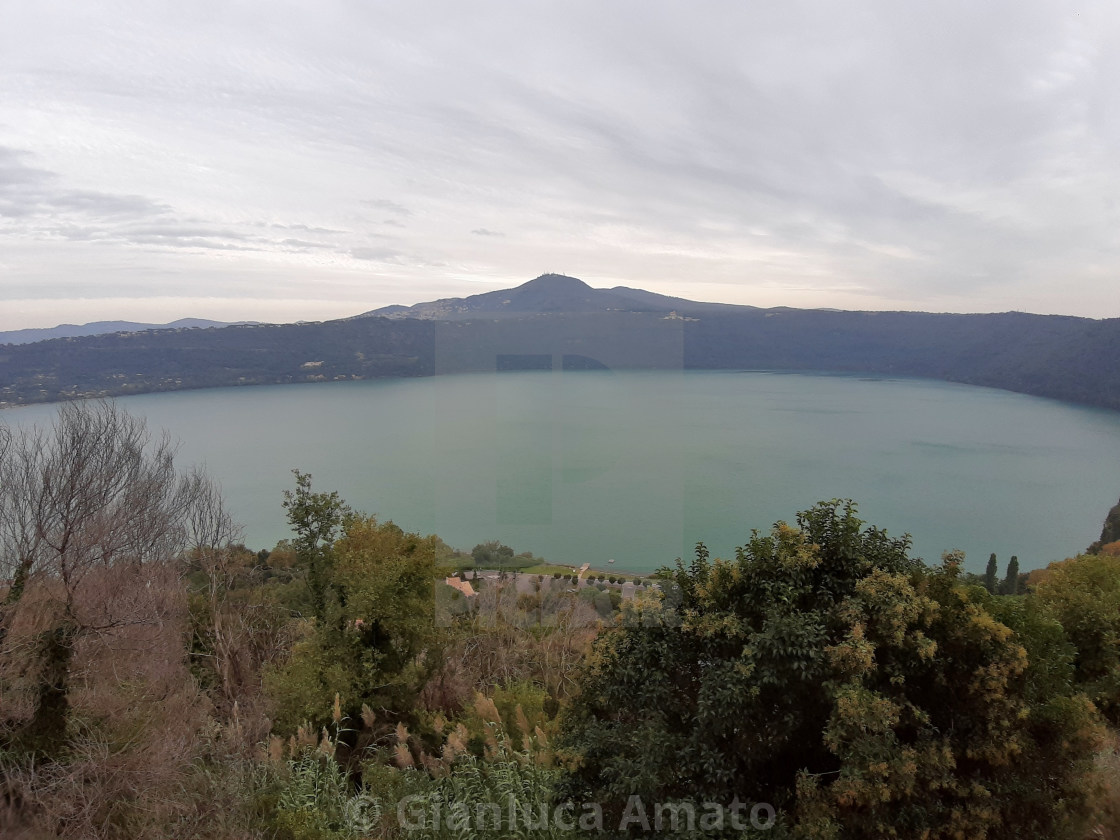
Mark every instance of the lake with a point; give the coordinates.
(596, 465)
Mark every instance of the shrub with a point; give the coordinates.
(872, 696)
(1083, 595)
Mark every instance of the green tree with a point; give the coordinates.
(316, 519)
(825, 672)
(1083, 595)
(1011, 582)
(492, 555)
(991, 575)
(378, 640)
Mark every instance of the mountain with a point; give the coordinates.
(549, 293)
(103, 327)
(557, 322)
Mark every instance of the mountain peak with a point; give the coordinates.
(549, 294)
(558, 282)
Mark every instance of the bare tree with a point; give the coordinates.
(88, 507)
(211, 534)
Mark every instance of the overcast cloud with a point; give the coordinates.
(288, 160)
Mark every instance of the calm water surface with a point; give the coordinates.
(589, 466)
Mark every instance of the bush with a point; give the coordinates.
(477, 798)
(379, 639)
(872, 696)
(317, 802)
(1083, 595)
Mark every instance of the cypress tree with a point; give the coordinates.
(1011, 582)
(991, 575)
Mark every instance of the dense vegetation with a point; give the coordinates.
(170, 360)
(554, 321)
(872, 696)
(158, 679)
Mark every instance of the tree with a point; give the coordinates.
(378, 639)
(1083, 594)
(316, 518)
(991, 575)
(491, 555)
(93, 512)
(1011, 581)
(872, 696)
(238, 624)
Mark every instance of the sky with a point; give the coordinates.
(291, 160)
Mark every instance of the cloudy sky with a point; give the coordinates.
(304, 160)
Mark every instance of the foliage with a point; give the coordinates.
(1050, 655)
(104, 730)
(1010, 585)
(93, 515)
(508, 792)
(504, 640)
(1104, 818)
(1083, 595)
(317, 802)
(872, 696)
(316, 519)
(314, 797)
(495, 555)
(522, 706)
(477, 798)
(1110, 531)
(378, 641)
(991, 575)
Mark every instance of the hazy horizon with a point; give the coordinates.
(173, 321)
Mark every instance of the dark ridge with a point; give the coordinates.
(103, 327)
(560, 318)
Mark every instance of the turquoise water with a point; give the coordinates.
(588, 466)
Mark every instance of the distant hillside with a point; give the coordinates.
(549, 293)
(101, 328)
(560, 322)
(170, 360)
